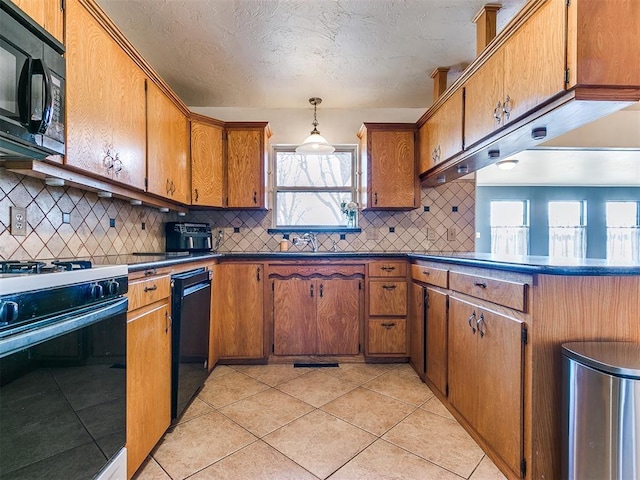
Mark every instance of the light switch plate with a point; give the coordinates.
(431, 233)
(18, 221)
(451, 234)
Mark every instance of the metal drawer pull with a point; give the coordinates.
(388, 325)
(388, 269)
(148, 273)
(471, 322)
(480, 284)
(150, 289)
(479, 323)
(389, 287)
(424, 272)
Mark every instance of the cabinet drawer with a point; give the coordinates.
(387, 336)
(387, 298)
(503, 292)
(387, 269)
(433, 276)
(145, 292)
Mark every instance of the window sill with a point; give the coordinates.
(293, 229)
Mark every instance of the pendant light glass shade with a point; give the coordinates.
(315, 143)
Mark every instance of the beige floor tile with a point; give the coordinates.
(150, 470)
(369, 410)
(319, 442)
(384, 461)
(487, 470)
(198, 443)
(219, 371)
(230, 388)
(434, 405)
(272, 375)
(316, 388)
(437, 439)
(359, 373)
(402, 385)
(257, 461)
(196, 409)
(266, 411)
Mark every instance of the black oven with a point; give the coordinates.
(32, 86)
(63, 374)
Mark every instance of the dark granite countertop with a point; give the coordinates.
(521, 264)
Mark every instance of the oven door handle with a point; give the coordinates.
(61, 325)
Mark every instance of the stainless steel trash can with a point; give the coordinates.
(601, 411)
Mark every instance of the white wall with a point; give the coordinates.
(292, 125)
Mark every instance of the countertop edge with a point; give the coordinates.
(522, 265)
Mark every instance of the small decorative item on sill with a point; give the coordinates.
(350, 211)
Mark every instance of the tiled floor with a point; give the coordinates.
(353, 422)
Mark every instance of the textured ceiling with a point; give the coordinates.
(278, 53)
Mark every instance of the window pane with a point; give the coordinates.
(622, 214)
(294, 170)
(310, 208)
(505, 214)
(509, 230)
(567, 232)
(565, 214)
(623, 233)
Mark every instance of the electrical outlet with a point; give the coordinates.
(451, 234)
(431, 233)
(18, 221)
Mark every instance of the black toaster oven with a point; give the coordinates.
(188, 237)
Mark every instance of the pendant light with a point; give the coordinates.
(315, 143)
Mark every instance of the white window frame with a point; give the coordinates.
(352, 191)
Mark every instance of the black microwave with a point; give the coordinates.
(32, 86)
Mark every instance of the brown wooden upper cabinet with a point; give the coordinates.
(49, 14)
(207, 164)
(247, 147)
(168, 168)
(105, 103)
(388, 165)
(441, 135)
(526, 70)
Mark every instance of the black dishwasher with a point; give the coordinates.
(190, 307)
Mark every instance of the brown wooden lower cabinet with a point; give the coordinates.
(316, 316)
(436, 338)
(238, 323)
(148, 379)
(417, 296)
(486, 376)
(387, 336)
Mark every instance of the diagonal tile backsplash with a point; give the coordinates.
(87, 231)
(404, 231)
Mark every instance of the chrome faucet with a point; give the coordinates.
(306, 239)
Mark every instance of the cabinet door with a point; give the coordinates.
(207, 173)
(425, 147)
(387, 298)
(387, 336)
(294, 316)
(499, 375)
(436, 338)
(168, 147)
(483, 92)
(449, 128)
(238, 303)
(338, 316)
(106, 132)
(393, 170)
(245, 150)
(534, 60)
(463, 367)
(47, 13)
(416, 328)
(148, 380)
